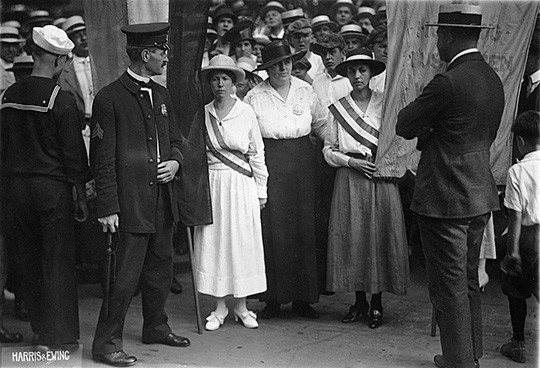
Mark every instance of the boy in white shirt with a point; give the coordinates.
(522, 199)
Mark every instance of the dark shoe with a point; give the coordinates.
(439, 361)
(21, 311)
(303, 309)
(176, 287)
(514, 350)
(170, 340)
(71, 346)
(355, 313)
(375, 318)
(7, 337)
(271, 310)
(116, 359)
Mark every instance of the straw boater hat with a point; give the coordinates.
(339, 4)
(459, 15)
(223, 63)
(290, 16)
(364, 12)
(52, 39)
(10, 35)
(323, 20)
(353, 30)
(74, 24)
(271, 5)
(277, 51)
(22, 62)
(363, 56)
(12, 23)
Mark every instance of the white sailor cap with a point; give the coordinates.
(52, 39)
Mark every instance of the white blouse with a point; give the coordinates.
(339, 142)
(292, 118)
(241, 132)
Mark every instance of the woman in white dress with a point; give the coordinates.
(229, 252)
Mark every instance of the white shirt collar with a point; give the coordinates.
(80, 59)
(464, 52)
(138, 77)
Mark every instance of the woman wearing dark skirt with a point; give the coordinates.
(367, 246)
(287, 111)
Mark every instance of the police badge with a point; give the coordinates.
(163, 110)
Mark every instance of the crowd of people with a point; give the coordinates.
(278, 170)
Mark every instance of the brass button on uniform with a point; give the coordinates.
(151, 183)
(151, 160)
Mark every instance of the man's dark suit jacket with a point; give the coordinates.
(456, 120)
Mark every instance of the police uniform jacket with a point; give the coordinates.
(41, 133)
(456, 120)
(124, 156)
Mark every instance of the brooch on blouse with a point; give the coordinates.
(163, 110)
(297, 110)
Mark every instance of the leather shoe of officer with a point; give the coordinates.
(116, 359)
(170, 340)
(7, 337)
(439, 361)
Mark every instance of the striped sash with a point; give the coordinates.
(353, 124)
(232, 158)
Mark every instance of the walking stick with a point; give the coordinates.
(194, 282)
(109, 263)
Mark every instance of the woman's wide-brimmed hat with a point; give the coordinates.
(277, 51)
(363, 56)
(223, 63)
(459, 15)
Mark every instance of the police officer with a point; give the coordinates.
(136, 152)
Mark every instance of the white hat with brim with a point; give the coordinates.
(223, 63)
(12, 23)
(339, 3)
(74, 24)
(52, 39)
(363, 56)
(459, 15)
(10, 35)
(323, 20)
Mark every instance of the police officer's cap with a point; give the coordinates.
(147, 35)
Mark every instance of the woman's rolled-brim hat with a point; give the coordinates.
(277, 51)
(223, 63)
(243, 31)
(323, 20)
(271, 5)
(363, 56)
(339, 4)
(459, 15)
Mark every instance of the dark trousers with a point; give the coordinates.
(145, 260)
(451, 250)
(40, 228)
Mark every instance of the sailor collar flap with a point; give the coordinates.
(37, 99)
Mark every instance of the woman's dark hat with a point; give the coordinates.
(302, 63)
(223, 11)
(147, 35)
(363, 56)
(277, 51)
(243, 31)
(459, 15)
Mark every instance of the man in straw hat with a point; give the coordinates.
(37, 183)
(455, 120)
(10, 47)
(271, 16)
(136, 193)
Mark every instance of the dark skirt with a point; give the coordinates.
(367, 244)
(288, 221)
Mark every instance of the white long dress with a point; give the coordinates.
(229, 253)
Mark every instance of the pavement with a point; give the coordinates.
(403, 340)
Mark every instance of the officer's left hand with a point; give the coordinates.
(166, 171)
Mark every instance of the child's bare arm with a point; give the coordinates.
(512, 261)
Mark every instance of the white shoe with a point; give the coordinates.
(214, 321)
(483, 279)
(248, 318)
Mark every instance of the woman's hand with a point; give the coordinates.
(363, 166)
(262, 203)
